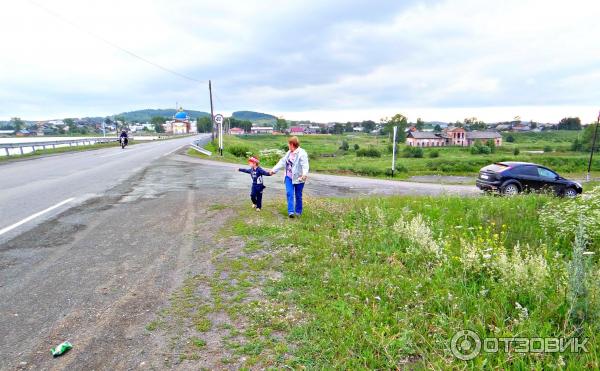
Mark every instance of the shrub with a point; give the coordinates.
(390, 148)
(412, 152)
(547, 149)
(367, 170)
(239, 151)
(516, 151)
(388, 172)
(356, 147)
(345, 146)
(401, 168)
(368, 152)
(434, 154)
(479, 148)
(510, 139)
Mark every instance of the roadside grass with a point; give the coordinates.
(326, 155)
(383, 283)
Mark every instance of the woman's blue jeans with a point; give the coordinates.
(293, 193)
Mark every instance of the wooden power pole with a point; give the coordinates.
(212, 113)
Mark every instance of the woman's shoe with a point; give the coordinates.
(291, 216)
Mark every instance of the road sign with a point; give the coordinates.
(219, 119)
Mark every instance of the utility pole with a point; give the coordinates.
(212, 114)
(394, 151)
(593, 148)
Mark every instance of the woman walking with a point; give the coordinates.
(295, 163)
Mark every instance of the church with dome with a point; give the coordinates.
(181, 124)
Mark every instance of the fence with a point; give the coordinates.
(12, 149)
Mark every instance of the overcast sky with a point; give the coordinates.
(321, 60)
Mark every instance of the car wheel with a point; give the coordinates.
(510, 189)
(570, 193)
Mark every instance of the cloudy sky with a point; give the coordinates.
(306, 59)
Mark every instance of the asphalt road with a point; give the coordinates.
(96, 269)
(33, 185)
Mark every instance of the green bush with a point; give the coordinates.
(547, 149)
(434, 154)
(516, 151)
(510, 138)
(368, 152)
(356, 147)
(239, 151)
(412, 152)
(345, 146)
(401, 168)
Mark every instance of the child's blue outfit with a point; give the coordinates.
(257, 184)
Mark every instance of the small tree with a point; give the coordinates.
(345, 146)
(356, 147)
(516, 151)
(17, 124)
(510, 138)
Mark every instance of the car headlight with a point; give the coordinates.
(578, 185)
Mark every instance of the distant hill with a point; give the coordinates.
(147, 114)
(254, 116)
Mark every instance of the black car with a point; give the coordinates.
(510, 178)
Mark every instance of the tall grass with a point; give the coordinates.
(385, 283)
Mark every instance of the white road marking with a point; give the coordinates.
(31, 217)
(168, 153)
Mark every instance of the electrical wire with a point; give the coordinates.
(116, 46)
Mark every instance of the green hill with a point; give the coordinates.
(254, 116)
(147, 114)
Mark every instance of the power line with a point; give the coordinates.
(116, 46)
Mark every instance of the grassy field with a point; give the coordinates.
(326, 155)
(385, 283)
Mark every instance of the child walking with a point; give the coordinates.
(257, 173)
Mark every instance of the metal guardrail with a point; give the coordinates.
(198, 147)
(5, 147)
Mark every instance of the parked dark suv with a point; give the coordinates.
(510, 178)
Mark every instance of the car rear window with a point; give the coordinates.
(495, 168)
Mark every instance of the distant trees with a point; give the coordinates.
(420, 125)
(396, 120)
(204, 124)
(473, 123)
(437, 128)
(338, 128)
(281, 124)
(569, 123)
(587, 138)
(242, 124)
(17, 124)
(157, 122)
(349, 127)
(368, 126)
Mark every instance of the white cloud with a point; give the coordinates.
(318, 59)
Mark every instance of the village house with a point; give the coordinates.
(261, 130)
(451, 137)
(296, 130)
(236, 131)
